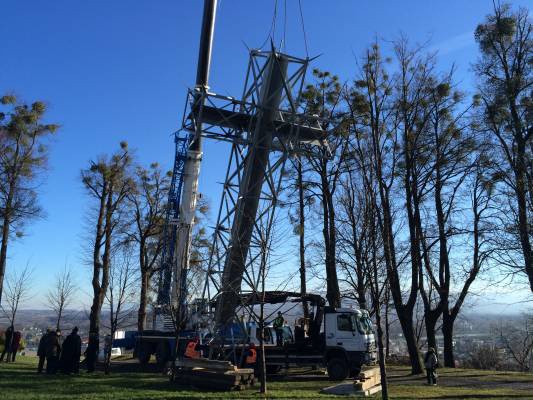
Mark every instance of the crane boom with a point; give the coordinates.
(177, 264)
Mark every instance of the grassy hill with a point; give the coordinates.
(20, 381)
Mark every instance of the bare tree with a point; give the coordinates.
(505, 73)
(108, 182)
(322, 99)
(60, 296)
(121, 296)
(517, 341)
(148, 202)
(17, 291)
(484, 357)
(378, 137)
(298, 220)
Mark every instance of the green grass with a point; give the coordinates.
(20, 381)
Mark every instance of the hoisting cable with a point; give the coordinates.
(284, 41)
(272, 31)
(303, 27)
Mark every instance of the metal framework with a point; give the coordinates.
(241, 122)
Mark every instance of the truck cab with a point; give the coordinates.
(349, 341)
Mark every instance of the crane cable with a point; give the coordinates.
(284, 41)
(272, 31)
(303, 28)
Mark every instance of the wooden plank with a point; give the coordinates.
(216, 379)
(368, 383)
(368, 373)
(205, 363)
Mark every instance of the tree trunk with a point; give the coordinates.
(387, 328)
(100, 288)
(447, 333)
(3, 251)
(382, 369)
(262, 362)
(523, 223)
(301, 234)
(430, 320)
(333, 292)
(58, 323)
(406, 321)
(6, 221)
(141, 318)
(404, 312)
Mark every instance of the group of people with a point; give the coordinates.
(11, 344)
(59, 355)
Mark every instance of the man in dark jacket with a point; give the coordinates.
(431, 363)
(7, 344)
(53, 352)
(70, 354)
(41, 350)
(15, 344)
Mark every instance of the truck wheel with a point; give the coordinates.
(162, 353)
(144, 353)
(337, 369)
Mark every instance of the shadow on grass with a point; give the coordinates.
(483, 396)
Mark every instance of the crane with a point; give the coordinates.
(266, 129)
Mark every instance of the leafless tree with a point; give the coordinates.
(60, 296)
(484, 357)
(380, 138)
(517, 341)
(108, 183)
(505, 74)
(322, 98)
(148, 201)
(17, 291)
(121, 296)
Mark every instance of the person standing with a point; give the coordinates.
(431, 363)
(7, 344)
(53, 352)
(70, 354)
(76, 351)
(15, 344)
(41, 350)
(278, 327)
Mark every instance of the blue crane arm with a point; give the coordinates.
(181, 141)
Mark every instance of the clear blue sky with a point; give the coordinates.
(118, 70)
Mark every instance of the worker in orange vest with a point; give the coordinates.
(251, 356)
(191, 351)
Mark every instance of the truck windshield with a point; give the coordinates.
(364, 324)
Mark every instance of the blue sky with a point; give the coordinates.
(118, 70)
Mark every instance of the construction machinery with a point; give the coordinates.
(338, 339)
(267, 131)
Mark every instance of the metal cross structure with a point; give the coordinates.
(266, 128)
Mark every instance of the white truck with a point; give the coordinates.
(339, 339)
